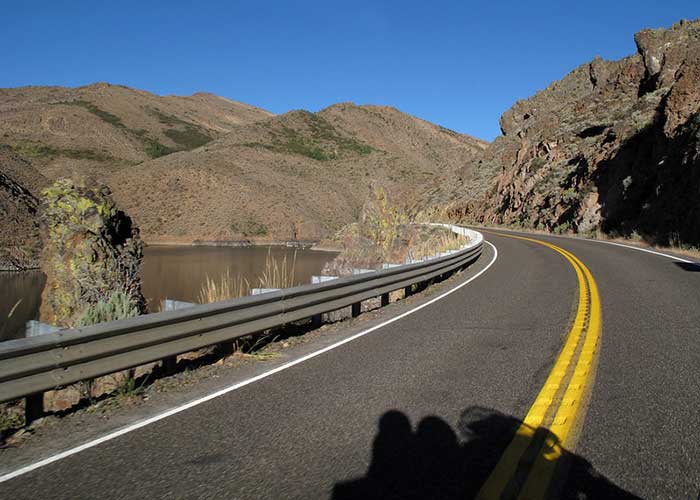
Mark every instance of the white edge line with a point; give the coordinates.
(643, 250)
(226, 390)
(631, 247)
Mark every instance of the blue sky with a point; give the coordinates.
(459, 64)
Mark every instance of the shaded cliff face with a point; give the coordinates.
(612, 147)
(20, 184)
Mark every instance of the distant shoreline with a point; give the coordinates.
(306, 244)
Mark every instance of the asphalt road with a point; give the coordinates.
(425, 406)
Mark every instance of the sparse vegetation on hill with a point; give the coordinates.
(28, 149)
(239, 173)
(314, 137)
(298, 176)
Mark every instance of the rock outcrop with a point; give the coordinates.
(91, 252)
(613, 147)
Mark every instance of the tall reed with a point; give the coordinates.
(278, 274)
(223, 289)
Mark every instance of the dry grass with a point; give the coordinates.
(224, 288)
(278, 274)
(439, 241)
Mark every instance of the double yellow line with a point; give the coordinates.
(527, 468)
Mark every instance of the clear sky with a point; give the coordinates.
(459, 64)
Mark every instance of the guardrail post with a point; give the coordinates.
(407, 291)
(316, 321)
(33, 407)
(356, 308)
(385, 299)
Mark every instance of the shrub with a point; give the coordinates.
(189, 138)
(380, 220)
(249, 227)
(118, 306)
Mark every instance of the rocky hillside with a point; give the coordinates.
(297, 176)
(20, 184)
(612, 147)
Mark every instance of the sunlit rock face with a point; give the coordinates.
(91, 250)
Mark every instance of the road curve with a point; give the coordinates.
(426, 406)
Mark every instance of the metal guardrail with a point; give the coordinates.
(31, 366)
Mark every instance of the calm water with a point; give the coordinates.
(172, 272)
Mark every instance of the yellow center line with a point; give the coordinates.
(568, 411)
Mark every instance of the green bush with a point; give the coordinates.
(189, 138)
(155, 149)
(118, 306)
(104, 115)
(249, 227)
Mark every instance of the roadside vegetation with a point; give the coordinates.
(226, 287)
(384, 234)
(277, 273)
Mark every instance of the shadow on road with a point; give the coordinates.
(689, 266)
(433, 462)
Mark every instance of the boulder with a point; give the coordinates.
(91, 251)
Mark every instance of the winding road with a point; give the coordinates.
(560, 367)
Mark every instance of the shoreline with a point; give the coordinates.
(308, 244)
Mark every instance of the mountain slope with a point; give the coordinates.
(300, 175)
(20, 184)
(100, 128)
(613, 147)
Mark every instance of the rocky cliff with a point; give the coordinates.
(612, 147)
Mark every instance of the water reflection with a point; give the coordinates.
(179, 272)
(167, 271)
(19, 301)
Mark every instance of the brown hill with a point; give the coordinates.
(52, 132)
(614, 146)
(101, 128)
(299, 176)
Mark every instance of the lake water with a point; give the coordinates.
(167, 271)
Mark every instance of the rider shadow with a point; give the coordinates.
(433, 463)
